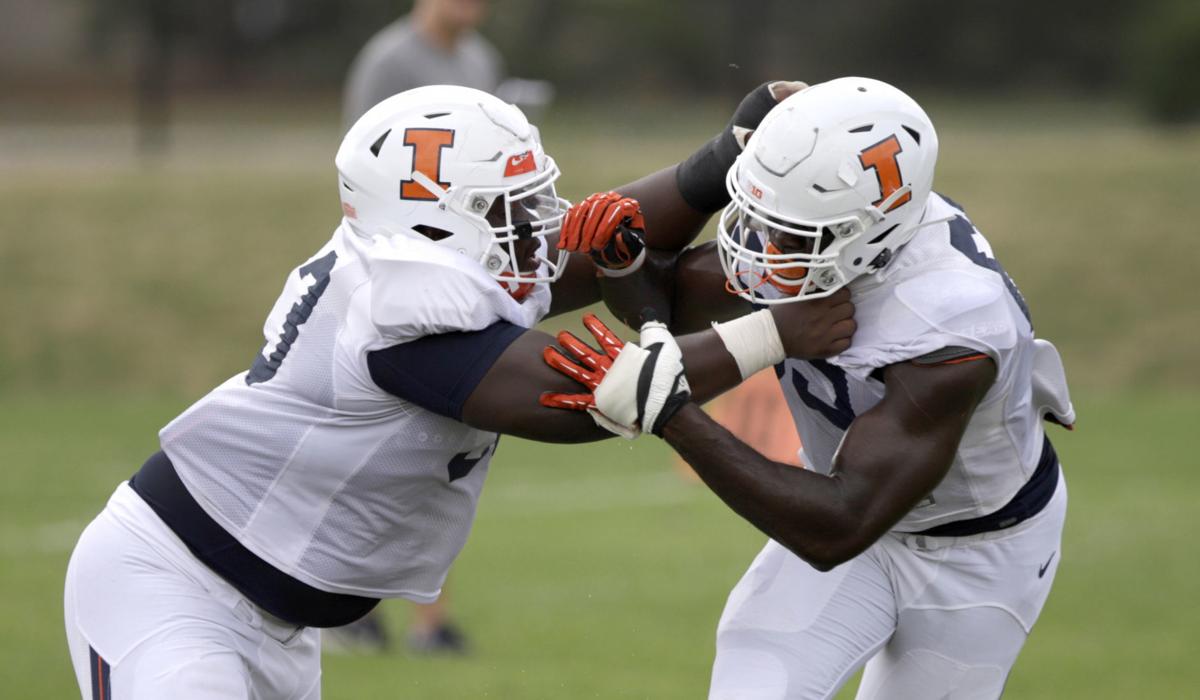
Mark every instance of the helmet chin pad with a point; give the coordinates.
(780, 278)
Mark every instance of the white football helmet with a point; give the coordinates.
(830, 185)
(458, 167)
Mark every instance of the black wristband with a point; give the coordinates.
(701, 178)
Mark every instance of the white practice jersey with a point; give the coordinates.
(318, 471)
(944, 288)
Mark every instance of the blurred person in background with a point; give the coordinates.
(435, 44)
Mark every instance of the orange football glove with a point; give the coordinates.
(607, 226)
(594, 364)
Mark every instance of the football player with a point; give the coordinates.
(924, 535)
(345, 465)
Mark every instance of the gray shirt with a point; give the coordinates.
(400, 58)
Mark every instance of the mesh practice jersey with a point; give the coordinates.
(313, 467)
(944, 288)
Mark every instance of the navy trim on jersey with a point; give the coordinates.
(272, 590)
(1028, 502)
(439, 372)
(101, 676)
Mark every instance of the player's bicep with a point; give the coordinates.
(439, 372)
(896, 453)
(490, 379)
(506, 399)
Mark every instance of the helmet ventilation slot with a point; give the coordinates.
(433, 234)
(883, 235)
(378, 145)
(914, 133)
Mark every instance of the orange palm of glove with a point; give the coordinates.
(589, 366)
(590, 225)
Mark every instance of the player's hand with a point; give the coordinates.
(816, 328)
(610, 228)
(588, 368)
(755, 105)
(633, 387)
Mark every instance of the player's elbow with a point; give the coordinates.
(843, 539)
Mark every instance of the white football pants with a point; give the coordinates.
(932, 617)
(147, 620)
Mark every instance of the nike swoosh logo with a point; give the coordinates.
(1043, 567)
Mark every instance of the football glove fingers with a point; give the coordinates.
(620, 412)
(581, 220)
(609, 342)
(645, 385)
(564, 365)
(583, 353)
(619, 246)
(608, 226)
(567, 402)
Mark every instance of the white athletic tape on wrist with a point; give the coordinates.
(753, 340)
(628, 269)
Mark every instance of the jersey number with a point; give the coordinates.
(970, 243)
(462, 463)
(841, 413)
(265, 367)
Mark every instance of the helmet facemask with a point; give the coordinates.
(509, 221)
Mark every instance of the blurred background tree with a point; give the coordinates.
(1148, 51)
(677, 47)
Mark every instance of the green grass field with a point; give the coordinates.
(593, 571)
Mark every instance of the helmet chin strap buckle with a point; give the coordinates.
(881, 260)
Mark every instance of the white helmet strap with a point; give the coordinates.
(434, 188)
(879, 212)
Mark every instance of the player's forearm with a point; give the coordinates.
(650, 288)
(671, 223)
(686, 291)
(804, 511)
(711, 370)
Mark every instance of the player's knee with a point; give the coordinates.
(923, 673)
(748, 673)
(183, 666)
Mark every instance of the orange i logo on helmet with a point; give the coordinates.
(427, 146)
(881, 157)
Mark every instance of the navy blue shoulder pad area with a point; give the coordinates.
(439, 372)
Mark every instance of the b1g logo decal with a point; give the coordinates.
(427, 145)
(882, 159)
